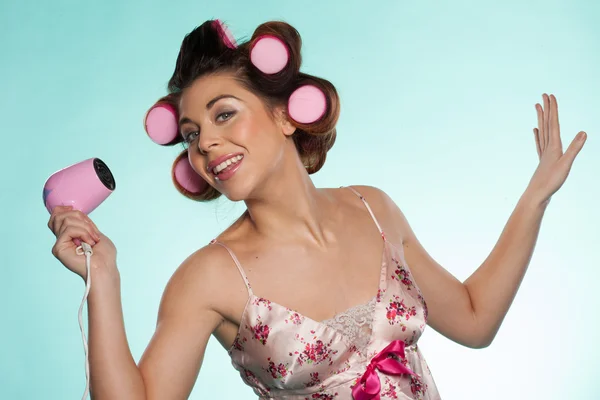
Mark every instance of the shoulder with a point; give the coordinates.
(385, 209)
(379, 201)
(199, 283)
(205, 263)
(208, 269)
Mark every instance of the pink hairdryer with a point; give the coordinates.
(84, 186)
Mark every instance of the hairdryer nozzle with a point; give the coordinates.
(84, 186)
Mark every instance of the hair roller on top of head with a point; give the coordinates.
(225, 34)
(269, 54)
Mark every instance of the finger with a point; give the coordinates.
(540, 116)
(65, 239)
(574, 149)
(56, 211)
(554, 124)
(92, 224)
(76, 232)
(546, 120)
(88, 222)
(64, 222)
(536, 134)
(75, 221)
(58, 221)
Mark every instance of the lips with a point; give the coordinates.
(211, 165)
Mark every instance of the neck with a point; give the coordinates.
(290, 207)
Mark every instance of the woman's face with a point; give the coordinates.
(234, 142)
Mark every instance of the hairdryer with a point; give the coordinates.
(84, 186)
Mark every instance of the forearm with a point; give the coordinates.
(493, 286)
(113, 371)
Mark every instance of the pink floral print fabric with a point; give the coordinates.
(284, 355)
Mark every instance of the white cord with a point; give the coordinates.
(87, 250)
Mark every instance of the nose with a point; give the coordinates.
(208, 140)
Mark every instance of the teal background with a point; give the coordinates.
(437, 110)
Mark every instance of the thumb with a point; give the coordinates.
(574, 148)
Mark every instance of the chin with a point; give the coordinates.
(236, 192)
(235, 197)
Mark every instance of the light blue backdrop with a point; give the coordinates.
(437, 109)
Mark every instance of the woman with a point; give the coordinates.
(315, 293)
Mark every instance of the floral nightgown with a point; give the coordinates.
(367, 352)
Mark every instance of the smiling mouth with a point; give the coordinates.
(227, 165)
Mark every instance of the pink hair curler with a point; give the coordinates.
(225, 34)
(84, 186)
(185, 175)
(161, 123)
(269, 54)
(308, 103)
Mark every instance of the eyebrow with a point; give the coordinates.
(209, 105)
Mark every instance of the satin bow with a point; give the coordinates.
(369, 385)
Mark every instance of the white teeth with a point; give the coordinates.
(225, 164)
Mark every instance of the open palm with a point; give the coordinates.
(554, 166)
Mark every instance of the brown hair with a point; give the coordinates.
(204, 52)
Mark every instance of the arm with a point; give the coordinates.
(468, 313)
(471, 313)
(171, 363)
(186, 319)
(493, 286)
(113, 373)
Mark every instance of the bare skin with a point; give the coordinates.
(294, 236)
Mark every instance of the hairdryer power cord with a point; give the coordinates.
(87, 250)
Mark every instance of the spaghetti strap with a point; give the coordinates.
(360, 196)
(237, 264)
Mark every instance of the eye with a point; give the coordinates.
(224, 116)
(189, 137)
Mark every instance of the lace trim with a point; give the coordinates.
(355, 323)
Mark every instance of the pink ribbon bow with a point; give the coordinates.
(369, 385)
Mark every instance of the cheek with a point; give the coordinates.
(257, 135)
(197, 162)
(243, 132)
